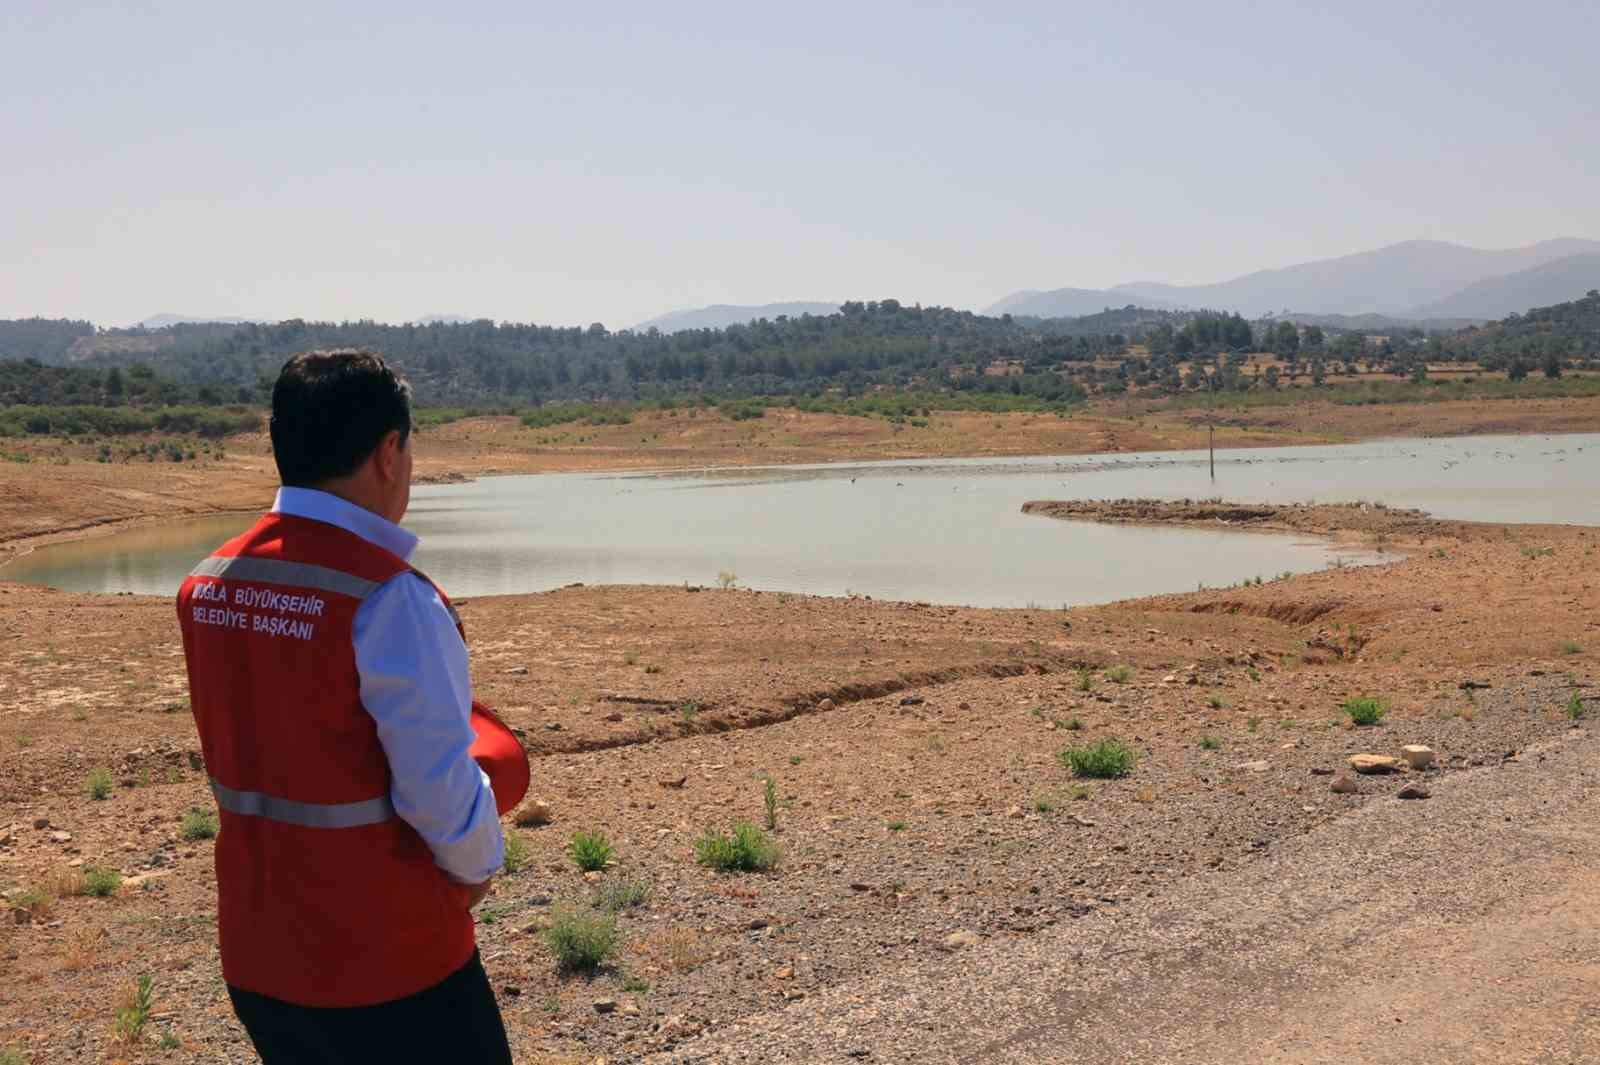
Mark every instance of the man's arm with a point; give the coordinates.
(414, 683)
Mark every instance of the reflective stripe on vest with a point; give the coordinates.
(277, 571)
(304, 814)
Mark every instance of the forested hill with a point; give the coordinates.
(45, 339)
(1565, 330)
(866, 343)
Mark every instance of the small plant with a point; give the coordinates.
(1080, 793)
(1215, 701)
(100, 784)
(689, 709)
(1254, 674)
(769, 802)
(1365, 710)
(1570, 647)
(679, 948)
(897, 826)
(1210, 743)
(635, 985)
(135, 1011)
(631, 658)
(581, 938)
(36, 902)
(590, 851)
(1119, 674)
(199, 823)
(170, 1041)
(794, 759)
(727, 579)
(624, 894)
(1044, 805)
(518, 854)
(652, 669)
(1072, 724)
(1252, 722)
(745, 849)
(1575, 708)
(1085, 680)
(1104, 760)
(100, 881)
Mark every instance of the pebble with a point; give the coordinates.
(61, 837)
(1345, 784)
(958, 940)
(1374, 763)
(41, 822)
(1418, 756)
(825, 705)
(1254, 767)
(605, 1005)
(533, 812)
(518, 671)
(1014, 813)
(1412, 791)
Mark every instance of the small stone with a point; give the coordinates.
(912, 700)
(675, 782)
(532, 813)
(757, 924)
(605, 1005)
(1254, 767)
(957, 940)
(785, 973)
(1321, 771)
(1345, 784)
(792, 994)
(1082, 822)
(1374, 763)
(1412, 791)
(1418, 756)
(1014, 813)
(61, 837)
(518, 671)
(825, 705)
(41, 822)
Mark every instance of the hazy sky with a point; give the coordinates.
(570, 163)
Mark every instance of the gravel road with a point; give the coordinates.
(1460, 928)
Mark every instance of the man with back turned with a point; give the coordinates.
(329, 685)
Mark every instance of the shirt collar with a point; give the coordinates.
(329, 508)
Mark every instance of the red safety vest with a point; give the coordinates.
(325, 896)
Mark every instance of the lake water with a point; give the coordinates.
(946, 531)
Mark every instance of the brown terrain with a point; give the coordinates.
(947, 889)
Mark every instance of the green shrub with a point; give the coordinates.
(1570, 647)
(100, 882)
(100, 784)
(1210, 743)
(1119, 674)
(1365, 710)
(518, 853)
(745, 849)
(769, 801)
(1106, 759)
(581, 938)
(1575, 708)
(135, 1012)
(624, 893)
(590, 851)
(199, 823)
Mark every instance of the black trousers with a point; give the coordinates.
(455, 1020)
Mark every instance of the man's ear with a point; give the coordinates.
(387, 456)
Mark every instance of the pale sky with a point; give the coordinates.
(607, 162)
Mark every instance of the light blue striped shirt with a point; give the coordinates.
(414, 683)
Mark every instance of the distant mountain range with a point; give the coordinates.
(722, 315)
(1417, 279)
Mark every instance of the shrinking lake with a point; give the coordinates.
(945, 531)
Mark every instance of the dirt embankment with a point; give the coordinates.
(1373, 523)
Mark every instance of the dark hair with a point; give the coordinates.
(330, 409)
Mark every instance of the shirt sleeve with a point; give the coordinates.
(414, 682)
